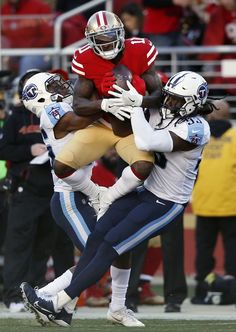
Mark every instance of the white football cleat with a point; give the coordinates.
(124, 317)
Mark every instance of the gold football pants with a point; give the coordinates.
(91, 143)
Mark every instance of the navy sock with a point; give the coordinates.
(93, 271)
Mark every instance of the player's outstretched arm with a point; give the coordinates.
(154, 88)
(85, 100)
(148, 139)
(71, 122)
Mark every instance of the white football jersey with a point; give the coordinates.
(48, 120)
(174, 173)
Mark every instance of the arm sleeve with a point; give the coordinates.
(53, 114)
(76, 65)
(195, 130)
(148, 53)
(146, 138)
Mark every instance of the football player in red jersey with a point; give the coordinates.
(93, 63)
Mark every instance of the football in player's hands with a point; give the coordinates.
(122, 75)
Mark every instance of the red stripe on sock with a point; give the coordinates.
(65, 175)
(140, 177)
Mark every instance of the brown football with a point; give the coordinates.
(121, 128)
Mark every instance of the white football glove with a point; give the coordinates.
(129, 97)
(113, 106)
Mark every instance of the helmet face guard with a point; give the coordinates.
(184, 93)
(59, 88)
(107, 45)
(105, 34)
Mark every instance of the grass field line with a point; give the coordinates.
(189, 312)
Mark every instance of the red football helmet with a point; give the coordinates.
(105, 34)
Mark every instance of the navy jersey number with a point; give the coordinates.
(160, 159)
(191, 121)
(51, 154)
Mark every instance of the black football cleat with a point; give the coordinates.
(43, 309)
(63, 318)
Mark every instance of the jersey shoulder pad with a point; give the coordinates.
(143, 48)
(53, 113)
(193, 129)
(82, 57)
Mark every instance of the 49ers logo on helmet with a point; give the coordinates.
(30, 92)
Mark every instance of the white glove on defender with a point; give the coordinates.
(113, 106)
(129, 97)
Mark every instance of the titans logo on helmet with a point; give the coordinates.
(203, 91)
(30, 92)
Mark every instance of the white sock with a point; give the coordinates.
(70, 307)
(80, 181)
(61, 300)
(57, 284)
(125, 184)
(119, 285)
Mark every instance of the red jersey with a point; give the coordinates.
(138, 56)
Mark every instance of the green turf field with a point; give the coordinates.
(21, 325)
